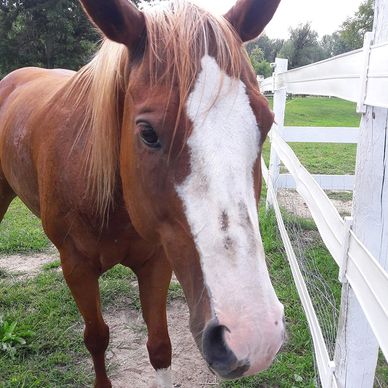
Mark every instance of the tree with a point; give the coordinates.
(302, 47)
(269, 47)
(264, 68)
(46, 33)
(353, 29)
(350, 36)
(261, 66)
(256, 56)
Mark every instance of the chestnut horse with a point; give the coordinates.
(149, 156)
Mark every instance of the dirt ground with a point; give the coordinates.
(129, 359)
(294, 203)
(22, 266)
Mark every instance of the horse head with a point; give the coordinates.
(193, 123)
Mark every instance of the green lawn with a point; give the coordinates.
(321, 158)
(55, 354)
(321, 112)
(21, 231)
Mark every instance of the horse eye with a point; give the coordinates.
(149, 137)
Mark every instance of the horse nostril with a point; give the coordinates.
(214, 346)
(218, 354)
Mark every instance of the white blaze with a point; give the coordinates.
(219, 202)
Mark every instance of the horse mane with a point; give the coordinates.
(179, 34)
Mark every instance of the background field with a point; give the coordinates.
(321, 158)
(55, 355)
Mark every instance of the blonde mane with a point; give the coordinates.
(179, 34)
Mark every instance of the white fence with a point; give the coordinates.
(359, 245)
(359, 76)
(320, 135)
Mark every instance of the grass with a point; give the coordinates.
(12, 337)
(53, 265)
(56, 354)
(321, 112)
(322, 158)
(53, 357)
(331, 159)
(343, 196)
(21, 231)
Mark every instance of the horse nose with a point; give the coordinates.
(218, 355)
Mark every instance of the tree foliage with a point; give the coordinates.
(269, 47)
(350, 35)
(261, 66)
(263, 52)
(302, 47)
(45, 33)
(352, 31)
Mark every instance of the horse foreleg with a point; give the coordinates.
(154, 278)
(82, 280)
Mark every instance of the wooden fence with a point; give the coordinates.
(358, 244)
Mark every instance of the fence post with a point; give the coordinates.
(279, 108)
(356, 348)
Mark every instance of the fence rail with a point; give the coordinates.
(341, 76)
(360, 76)
(326, 182)
(366, 276)
(321, 135)
(325, 365)
(336, 135)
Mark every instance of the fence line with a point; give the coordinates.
(324, 363)
(293, 134)
(360, 76)
(366, 276)
(328, 220)
(336, 135)
(340, 76)
(326, 182)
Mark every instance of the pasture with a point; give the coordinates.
(41, 305)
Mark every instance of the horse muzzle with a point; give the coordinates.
(221, 348)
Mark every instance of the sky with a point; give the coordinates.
(325, 15)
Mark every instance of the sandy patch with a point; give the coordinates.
(294, 203)
(127, 355)
(27, 264)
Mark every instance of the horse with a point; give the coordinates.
(149, 156)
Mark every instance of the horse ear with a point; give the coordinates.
(119, 20)
(249, 17)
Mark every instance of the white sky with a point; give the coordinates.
(325, 15)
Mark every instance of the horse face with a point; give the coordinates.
(191, 180)
(197, 194)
